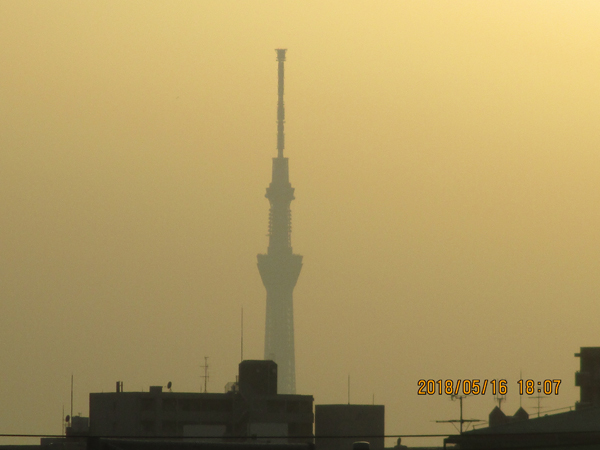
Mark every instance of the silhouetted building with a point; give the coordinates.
(280, 267)
(253, 410)
(497, 417)
(578, 429)
(337, 427)
(258, 377)
(569, 430)
(588, 377)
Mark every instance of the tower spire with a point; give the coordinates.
(279, 268)
(280, 105)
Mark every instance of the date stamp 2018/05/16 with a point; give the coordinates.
(480, 387)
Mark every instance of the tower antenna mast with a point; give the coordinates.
(280, 105)
(279, 268)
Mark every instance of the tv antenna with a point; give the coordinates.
(500, 398)
(520, 396)
(539, 397)
(205, 376)
(460, 421)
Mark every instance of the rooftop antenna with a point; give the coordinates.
(348, 388)
(205, 366)
(500, 398)
(539, 407)
(242, 336)
(71, 415)
(461, 420)
(520, 396)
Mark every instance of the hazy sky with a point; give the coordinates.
(446, 162)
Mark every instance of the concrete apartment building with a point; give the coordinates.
(251, 408)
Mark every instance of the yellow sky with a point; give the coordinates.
(446, 165)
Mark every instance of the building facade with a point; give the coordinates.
(251, 409)
(337, 427)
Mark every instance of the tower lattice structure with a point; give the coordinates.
(279, 268)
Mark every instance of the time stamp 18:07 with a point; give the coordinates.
(481, 387)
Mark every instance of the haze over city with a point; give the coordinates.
(446, 165)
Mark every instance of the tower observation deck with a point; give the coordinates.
(279, 268)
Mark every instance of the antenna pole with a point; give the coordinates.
(539, 406)
(461, 416)
(520, 396)
(461, 421)
(348, 389)
(242, 335)
(500, 398)
(280, 107)
(71, 417)
(205, 366)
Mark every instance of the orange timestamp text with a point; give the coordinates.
(480, 387)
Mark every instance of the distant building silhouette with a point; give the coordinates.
(570, 430)
(279, 268)
(588, 377)
(337, 427)
(250, 409)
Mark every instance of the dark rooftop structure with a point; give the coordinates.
(588, 377)
(337, 427)
(565, 430)
(251, 408)
(575, 429)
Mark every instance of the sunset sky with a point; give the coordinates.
(446, 161)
